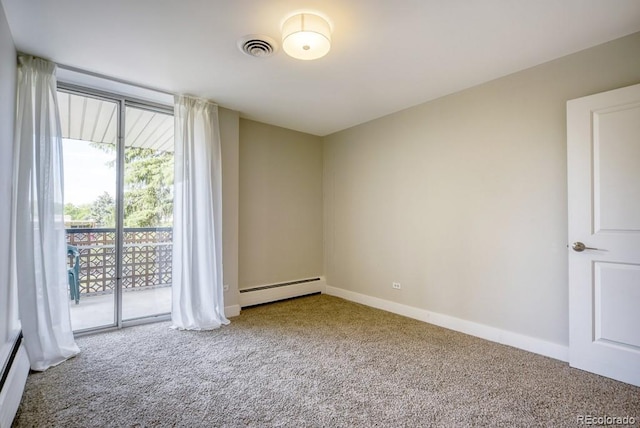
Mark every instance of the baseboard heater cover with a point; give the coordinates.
(12, 380)
(280, 291)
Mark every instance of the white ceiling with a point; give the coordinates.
(386, 55)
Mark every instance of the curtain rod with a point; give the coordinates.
(113, 79)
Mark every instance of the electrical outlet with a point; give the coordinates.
(225, 287)
(396, 285)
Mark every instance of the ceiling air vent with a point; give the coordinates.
(257, 45)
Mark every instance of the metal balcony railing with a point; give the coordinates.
(146, 258)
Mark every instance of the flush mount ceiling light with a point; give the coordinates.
(306, 36)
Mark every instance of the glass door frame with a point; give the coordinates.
(122, 102)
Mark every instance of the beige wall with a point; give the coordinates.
(229, 141)
(7, 114)
(280, 205)
(463, 199)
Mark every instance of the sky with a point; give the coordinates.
(86, 174)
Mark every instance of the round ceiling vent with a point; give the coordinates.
(257, 45)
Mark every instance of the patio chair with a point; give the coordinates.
(73, 273)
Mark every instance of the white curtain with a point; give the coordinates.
(39, 251)
(197, 299)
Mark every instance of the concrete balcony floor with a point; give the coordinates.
(98, 310)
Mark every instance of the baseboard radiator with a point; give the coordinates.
(15, 368)
(280, 291)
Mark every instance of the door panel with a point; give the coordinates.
(148, 213)
(603, 152)
(616, 294)
(616, 154)
(89, 131)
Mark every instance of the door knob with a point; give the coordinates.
(580, 247)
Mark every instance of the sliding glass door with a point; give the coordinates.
(118, 167)
(89, 155)
(148, 213)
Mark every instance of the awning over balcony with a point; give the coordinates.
(91, 119)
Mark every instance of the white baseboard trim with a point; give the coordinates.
(527, 343)
(232, 311)
(11, 393)
(267, 295)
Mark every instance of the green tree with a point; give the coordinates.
(103, 211)
(148, 196)
(77, 212)
(148, 180)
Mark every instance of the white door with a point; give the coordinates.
(603, 151)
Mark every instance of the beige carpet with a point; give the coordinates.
(317, 361)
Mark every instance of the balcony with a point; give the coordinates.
(146, 274)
